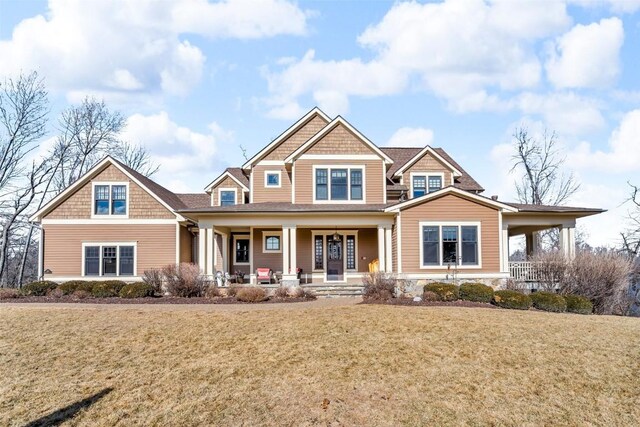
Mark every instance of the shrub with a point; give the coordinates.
(55, 293)
(107, 289)
(548, 301)
(281, 292)
(603, 278)
(578, 304)
(445, 291)
(212, 291)
(86, 286)
(9, 293)
(251, 294)
(39, 288)
(300, 292)
(136, 290)
(512, 299)
(71, 286)
(551, 268)
(184, 280)
(476, 292)
(232, 290)
(154, 278)
(378, 286)
(430, 296)
(80, 294)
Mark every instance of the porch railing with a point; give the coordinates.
(526, 271)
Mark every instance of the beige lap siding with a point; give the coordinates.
(228, 183)
(373, 178)
(271, 194)
(186, 245)
(450, 209)
(272, 260)
(298, 138)
(427, 163)
(156, 245)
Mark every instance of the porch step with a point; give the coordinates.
(323, 290)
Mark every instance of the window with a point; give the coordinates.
(271, 241)
(444, 245)
(101, 200)
(110, 199)
(419, 186)
(227, 197)
(339, 184)
(319, 256)
(118, 200)
(109, 259)
(242, 250)
(272, 179)
(322, 192)
(423, 184)
(356, 184)
(92, 260)
(126, 260)
(351, 252)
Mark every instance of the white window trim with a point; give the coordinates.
(343, 235)
(265, 235)
(348, 168)
(446, 224)
(235, 194)
(117, 245)
(273, 172)
(237, 237)
(109, 216)
(427, 175)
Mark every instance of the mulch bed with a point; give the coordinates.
(410, 302)
(148, 300)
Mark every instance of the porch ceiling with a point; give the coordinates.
(524, 229)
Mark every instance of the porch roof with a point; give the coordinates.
(285, 207)
(547, 209)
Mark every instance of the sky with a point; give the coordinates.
(198, 80)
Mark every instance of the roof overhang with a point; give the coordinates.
(421, 154)
(222, 176)
(454, 191)
(328, 128)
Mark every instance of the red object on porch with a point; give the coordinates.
(264, 275)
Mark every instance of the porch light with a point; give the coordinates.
(336, 236)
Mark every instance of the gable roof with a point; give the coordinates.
(455, 191)
(328, 128)
(235, 174)
(166, 197)
(195, 200)
(402, 155)
(420, 154)
(530, 208)
(284, 135)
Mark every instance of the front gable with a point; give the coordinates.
(429, 163)
(297, 138)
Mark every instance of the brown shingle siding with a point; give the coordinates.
(298, 138)
(227, 183)
(339, 140)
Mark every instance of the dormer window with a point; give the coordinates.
(227, 196)
(422, 184)
(110, 199)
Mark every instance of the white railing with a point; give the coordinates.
(526, 271)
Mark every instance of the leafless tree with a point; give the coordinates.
(631, 236)
(135, 156)
(243, 150)
(542, 180)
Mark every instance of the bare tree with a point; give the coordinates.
(631, 236)
(542, 180)
(243, 150)
(135, 156)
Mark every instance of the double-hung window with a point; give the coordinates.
(109, 259)
(227, 197)
(340, 184)
(423, 184)
(450, 245)
(110, 199)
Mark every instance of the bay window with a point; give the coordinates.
(449, 244)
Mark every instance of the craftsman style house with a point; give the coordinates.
(321, 200)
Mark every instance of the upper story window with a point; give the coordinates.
(339, 184)
(110, 199)
(272, 179)
(423, 184)
(450, 244)
(227, 196)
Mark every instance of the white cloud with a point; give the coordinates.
(587, 55)
(426, 46)
(623, 155)
(187, 158)
(617, 6)
(411, 137)
(133, 47)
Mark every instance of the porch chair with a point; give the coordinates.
(264, 275)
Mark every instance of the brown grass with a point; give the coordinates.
(374, 364)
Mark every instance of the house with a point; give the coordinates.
(321, 198)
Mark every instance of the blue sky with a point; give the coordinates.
(198, 79)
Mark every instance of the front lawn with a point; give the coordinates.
(354, 365)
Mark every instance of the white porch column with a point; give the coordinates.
(225, 252)
(285, 250)
(532, 243)
(381, 250)
(387, 245)
(568, 241)
(292, 243)
(504, 256)
(202, 249)
(210, 251)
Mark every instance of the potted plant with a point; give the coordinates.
(239, 277)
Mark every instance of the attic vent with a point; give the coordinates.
(494, 198)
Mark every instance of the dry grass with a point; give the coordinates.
(376, 365)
